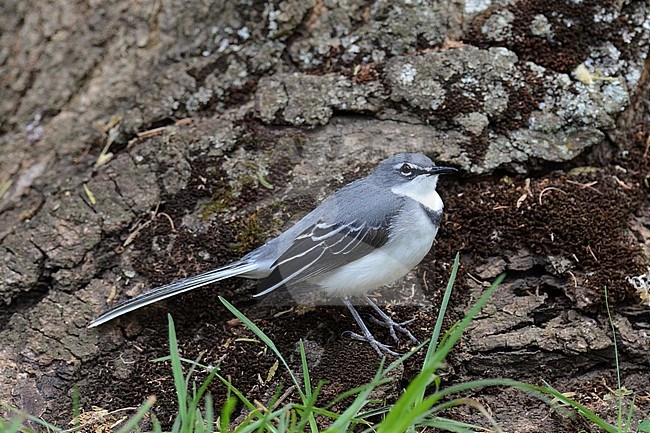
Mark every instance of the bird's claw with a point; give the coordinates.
(392, 326)
(386, 320)
(381, 348)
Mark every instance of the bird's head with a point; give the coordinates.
(410, 170)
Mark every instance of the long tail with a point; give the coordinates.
(173, 289)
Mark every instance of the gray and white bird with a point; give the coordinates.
(368, 234)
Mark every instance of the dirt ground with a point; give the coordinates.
(142, 143)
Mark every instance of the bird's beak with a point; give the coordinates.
(441, 170)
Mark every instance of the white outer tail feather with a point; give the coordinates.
(174, 289)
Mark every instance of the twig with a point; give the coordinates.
(575, 280)
(547, 189)
(592, 253)
(621, 183)
(424, 280)
(521, 199)
(157, 131)
(475, 279)
(85, 152)
(589, 185)
(171, 221)
(286, 394)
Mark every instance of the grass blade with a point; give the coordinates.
(76, 410)
(199, 395)
(22, 415)
(305, 369)
(403, 413)
(433, 344)
(442, 352)
(132, 423)
(629, 415)
(308, 409)
(157, 428)
(618, 369)
(226, 412)
(177, 371)
(14, 426)
(342, 423)
(262, 336)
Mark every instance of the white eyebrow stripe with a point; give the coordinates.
(410, 164)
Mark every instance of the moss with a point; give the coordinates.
(221, 200)
(256, 228)
(572, 24)
(230, 194)
(217, 204)
(250, 234)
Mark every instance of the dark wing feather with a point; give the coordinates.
(322, 248)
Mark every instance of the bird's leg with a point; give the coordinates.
(380, 348)
(389, 323)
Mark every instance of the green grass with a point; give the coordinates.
(423, 404)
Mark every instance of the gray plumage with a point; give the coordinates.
(369, 233)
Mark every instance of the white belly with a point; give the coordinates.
(403, 251)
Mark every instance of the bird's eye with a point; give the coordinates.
(405, 169)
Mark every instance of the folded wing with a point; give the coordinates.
(322, 248)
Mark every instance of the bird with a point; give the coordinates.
(368, 234)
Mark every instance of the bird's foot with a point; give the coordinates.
(387, 322)
(381, 348)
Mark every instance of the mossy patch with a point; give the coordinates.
(255, 229)
(572, 31)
